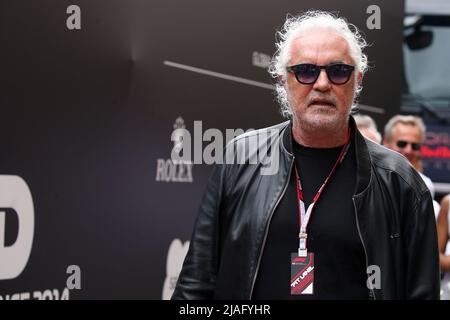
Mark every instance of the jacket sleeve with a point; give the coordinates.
(197, 278)
(422, 269)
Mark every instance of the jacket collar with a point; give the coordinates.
(363, 161)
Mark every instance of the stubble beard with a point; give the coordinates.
(322, 121)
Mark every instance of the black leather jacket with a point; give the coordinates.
(393, 206)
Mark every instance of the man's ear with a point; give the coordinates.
(360, 78)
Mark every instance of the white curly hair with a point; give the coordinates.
(293, 26)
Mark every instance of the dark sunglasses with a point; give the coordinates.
(414, 145)
(307, 73)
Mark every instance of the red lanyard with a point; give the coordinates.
(304, 215)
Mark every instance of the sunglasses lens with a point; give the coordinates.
(307, 73)
(401, 144)
(339, 73)
(414, 145)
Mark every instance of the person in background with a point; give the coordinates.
(443, 228)
(405, 134)
(367, 127)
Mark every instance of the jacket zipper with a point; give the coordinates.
(267, 229)
(364, 247)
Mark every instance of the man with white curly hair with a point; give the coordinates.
(341, 218)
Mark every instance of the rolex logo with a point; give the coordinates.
(178, 127)
(177, 170)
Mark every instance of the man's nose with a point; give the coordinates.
(322, 83)
(408, 150)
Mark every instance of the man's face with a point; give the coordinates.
(409, 134)
(322, 104)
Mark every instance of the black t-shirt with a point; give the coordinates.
(340, 267)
